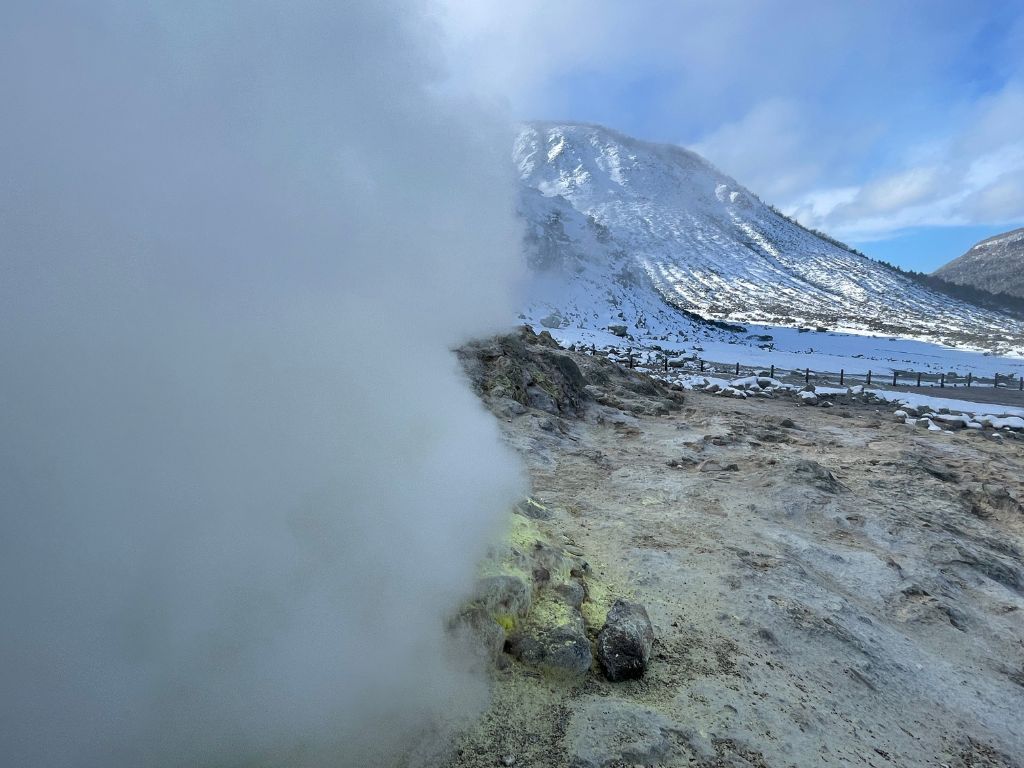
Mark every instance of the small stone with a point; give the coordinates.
(532, 508)
(579, 569)
(508, 760)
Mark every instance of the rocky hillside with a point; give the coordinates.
(995, 264)
(801, 585)
(627, 233)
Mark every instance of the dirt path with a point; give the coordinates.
(993, 395)
(843, 590)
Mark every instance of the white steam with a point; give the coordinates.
(242, 480)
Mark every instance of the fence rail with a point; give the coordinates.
(898, 377)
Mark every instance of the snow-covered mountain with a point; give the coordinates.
(623, 232)
(995, 265)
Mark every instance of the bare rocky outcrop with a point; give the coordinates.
(527, 369)
(530, 599)
(825, 586)
(532, 371)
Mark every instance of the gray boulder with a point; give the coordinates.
(568, 650)
(571, 592)
(625, 641)
(560, 650)
(479, 625)
(554, 638)
(807, 397)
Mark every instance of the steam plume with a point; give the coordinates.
(241, 479)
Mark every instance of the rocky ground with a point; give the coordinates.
(826, 586)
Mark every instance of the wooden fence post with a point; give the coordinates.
(702, 366)
(593, 350)
(666, 363)
(869, 378)
(1021, 387)
(807, 376)
(842, 373)
(919, 378)
(942, 380)
(631, 358)
(894, 378)
(737, 369)
(773, 372)
(969, 377)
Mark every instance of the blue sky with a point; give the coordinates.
(925, 249)
(896, 126)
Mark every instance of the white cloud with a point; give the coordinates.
(766, 148)
(800, 101)
(512, 50)
(973, 176)
(1002, 201)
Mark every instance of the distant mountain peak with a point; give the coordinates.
(628, 232)
(995, 264)
(1013, 236)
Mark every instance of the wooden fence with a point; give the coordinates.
(661, 362)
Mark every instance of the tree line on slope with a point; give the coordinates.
(999, 302)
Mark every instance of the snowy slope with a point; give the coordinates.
(995, 264)
(624, 232)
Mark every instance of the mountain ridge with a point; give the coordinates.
(995, 264)
(621, 230)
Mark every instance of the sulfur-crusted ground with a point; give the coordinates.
(827, 586)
